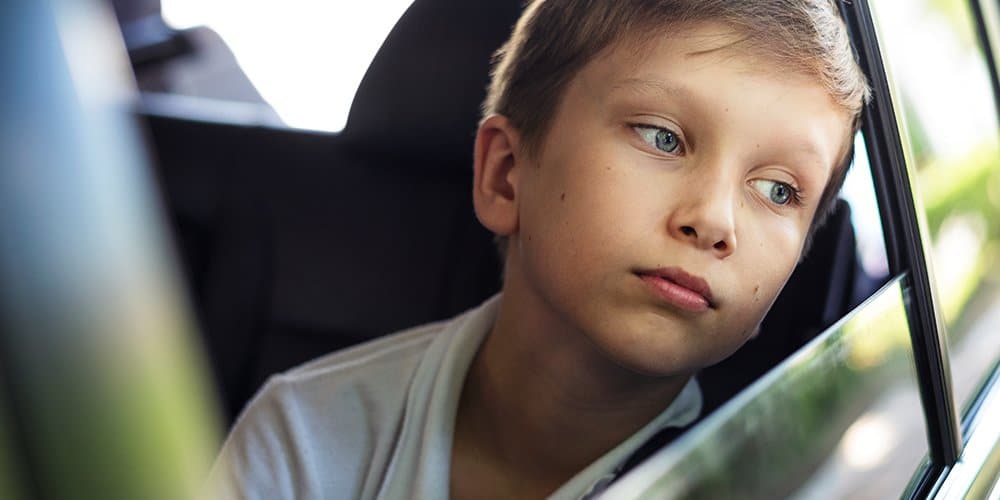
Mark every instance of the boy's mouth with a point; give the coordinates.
(676, 286)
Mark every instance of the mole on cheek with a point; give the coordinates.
(562, 197)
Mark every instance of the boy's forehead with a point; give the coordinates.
(631, 63)
(694, 36)
(692, 44)
(656, 67)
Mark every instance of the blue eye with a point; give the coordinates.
(660, 138)
(780, 193)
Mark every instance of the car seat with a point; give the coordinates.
(296, 244)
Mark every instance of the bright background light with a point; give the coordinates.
(868, 441)
(859, 191)
(305, 57)
(922, 38)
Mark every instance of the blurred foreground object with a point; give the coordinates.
(101, 392)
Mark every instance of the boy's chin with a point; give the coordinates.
(653, 362)
(669, 353)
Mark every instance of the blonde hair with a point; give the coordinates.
(554, 39)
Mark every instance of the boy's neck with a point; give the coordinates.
(541, 402)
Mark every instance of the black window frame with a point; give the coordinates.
(983, 37)
(908, 250)
(908, 244)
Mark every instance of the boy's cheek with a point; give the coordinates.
(757, 292)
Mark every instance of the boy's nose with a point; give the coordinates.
(706, 219)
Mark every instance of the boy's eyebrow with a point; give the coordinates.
(651, 86)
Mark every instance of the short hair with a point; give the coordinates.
(554, 39)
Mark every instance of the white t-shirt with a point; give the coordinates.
(376, 421)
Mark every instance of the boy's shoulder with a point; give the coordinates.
(335, 423)
(394, 352)
(372, 377)
(347, 387)
(381, 370)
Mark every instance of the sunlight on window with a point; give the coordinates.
(868, 441)
(305, 57)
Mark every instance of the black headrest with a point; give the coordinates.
(423, 90)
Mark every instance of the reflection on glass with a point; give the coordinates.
(942, 94)
(839, 419)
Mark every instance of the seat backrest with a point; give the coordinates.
(296, 244)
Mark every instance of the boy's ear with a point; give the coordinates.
(497, 167)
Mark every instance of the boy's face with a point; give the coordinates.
(671, 197)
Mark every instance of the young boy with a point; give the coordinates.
(654, 169)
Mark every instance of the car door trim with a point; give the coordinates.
(987, 42)
(977, 469)
(907, 246)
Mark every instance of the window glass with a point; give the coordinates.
(304, 58)
(943, 98)
(859, 192)
(839, 419)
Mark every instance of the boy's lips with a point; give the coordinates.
(676, 286)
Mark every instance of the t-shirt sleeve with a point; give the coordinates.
(264, 456)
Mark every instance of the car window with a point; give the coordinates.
(859, 191)
(304, 59)
(944, 103)
(839, 419)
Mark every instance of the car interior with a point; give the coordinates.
(295, 244)
(173, 236)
